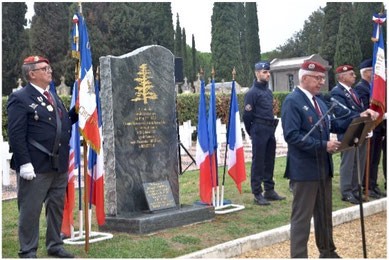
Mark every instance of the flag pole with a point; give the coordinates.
(216, 164)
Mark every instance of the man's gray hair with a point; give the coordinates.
(302, 73)
(26, 68)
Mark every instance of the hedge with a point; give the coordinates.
(187, 106)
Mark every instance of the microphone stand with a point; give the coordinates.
(322, 178)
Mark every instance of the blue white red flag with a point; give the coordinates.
(96, 169)
(202, 150)
(74, 166)
(212, 137)
(86, 102)
(236, 166)
(378, 89)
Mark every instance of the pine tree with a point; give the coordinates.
(253, 47)
(49, 35)
(329, 33)
(363, 13)
(348, 50)
(178, 39)
(13, 41)
(225, 41)
(194, 60)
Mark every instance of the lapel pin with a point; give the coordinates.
(50, 108)
(33, 105)
(310, 119)
(305, 108)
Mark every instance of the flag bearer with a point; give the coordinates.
(39, 131)
(260, 124)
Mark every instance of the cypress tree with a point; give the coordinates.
(329, 33)
(194, 60)
(253, 47)
(225, 41)
(13, 41)
(363, 13)
(186, 62)
(348, 50)
(162, 25)
(178, 39)
(49, 35)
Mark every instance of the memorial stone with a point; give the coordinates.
(141, 143)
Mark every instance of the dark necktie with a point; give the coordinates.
(48, 96)
(354, 97)
(318, 110)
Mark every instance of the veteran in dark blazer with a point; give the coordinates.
(309, 163)
(39, 131)
(345, 94)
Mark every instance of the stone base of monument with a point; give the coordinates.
(144, 223)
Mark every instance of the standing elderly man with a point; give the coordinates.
(39, 131)
(309, 162)
(260, 124)
(344, 93)
(363, 90)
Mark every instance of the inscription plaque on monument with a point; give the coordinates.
(138, 102)
(159, 195)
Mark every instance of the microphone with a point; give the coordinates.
(338, 103)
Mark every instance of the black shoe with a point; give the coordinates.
(272, 195)
(330, 255)
(61, 253)
(374, 195)
(29, 255)
(379, 192)
(356, 196)
(260, 200)
(350, 198)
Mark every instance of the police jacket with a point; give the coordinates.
(298, 117)
(258, 104)
(341, 94)
(363, 90)
(31, 116)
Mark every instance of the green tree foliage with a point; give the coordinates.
(49, 35)
(245, 77)
(329, 33)
(348, 50)
(13, 41)
(194, 60)
(253, 50)
(186, 61)
(225, 41)
(178, 39)
(363, 13)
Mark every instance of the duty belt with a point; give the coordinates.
(266, 122)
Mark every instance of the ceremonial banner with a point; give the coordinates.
(202, 150)
(236, 166)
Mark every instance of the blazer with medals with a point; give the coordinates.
(30, 115)
(341, 94)
(298, 117)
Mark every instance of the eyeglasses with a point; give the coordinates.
(45, 69)
(318, 78)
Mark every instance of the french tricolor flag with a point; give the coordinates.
(236, 166)
(202, 150)
(378, 89)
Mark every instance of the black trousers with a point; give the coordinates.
(264, 152)
(307, 203)
(49, 188)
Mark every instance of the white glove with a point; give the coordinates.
(27, 171)
(369, 134)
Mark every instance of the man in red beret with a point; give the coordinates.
(309, 161)
(344, 93)
(39, 131)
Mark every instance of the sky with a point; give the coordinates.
(277, 20)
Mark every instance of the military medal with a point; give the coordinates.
(50, 108)
(305, 108)
(36, 117)
(40, 99)
(43, 104)
(33, 105)
(310, 119)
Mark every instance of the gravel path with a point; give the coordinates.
(347, 238)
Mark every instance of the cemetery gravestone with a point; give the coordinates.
(138, 102)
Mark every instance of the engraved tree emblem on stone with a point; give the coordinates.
(143, 90)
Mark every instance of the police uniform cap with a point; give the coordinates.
(262, 65)
(313, 66)
(35, 59)
(344, 68)
(366, 64)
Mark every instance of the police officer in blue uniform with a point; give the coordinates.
(363, 89)
(260, 124)
(309, 163)
(39, 131)
(345, 94)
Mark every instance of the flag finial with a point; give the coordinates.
(233, 73)
(213, 72)
(201, 72)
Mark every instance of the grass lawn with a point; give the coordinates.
(182, 240)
